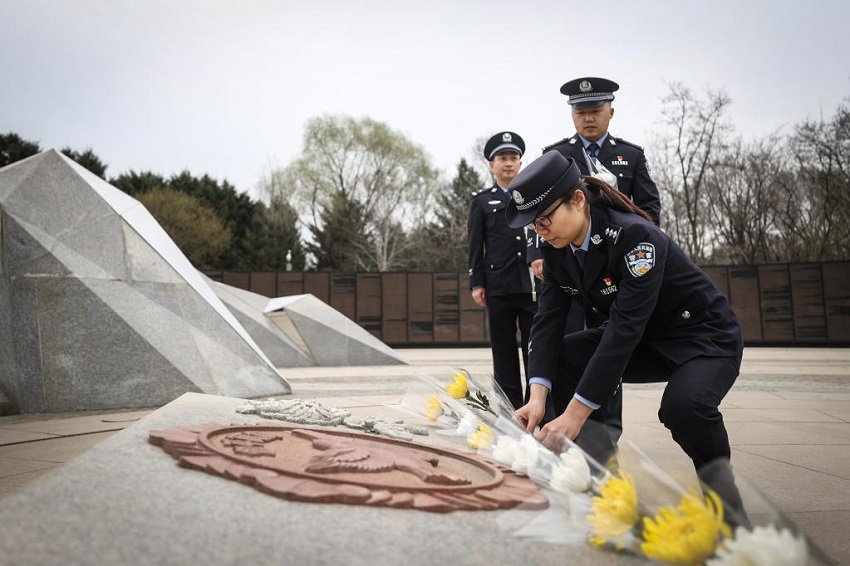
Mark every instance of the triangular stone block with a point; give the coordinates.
(331, 338)
(99, 308)
(248, 308)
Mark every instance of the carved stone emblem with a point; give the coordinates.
(333, 466)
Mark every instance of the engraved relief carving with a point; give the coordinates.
(332, 466)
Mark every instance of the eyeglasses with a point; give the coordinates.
(544, 221)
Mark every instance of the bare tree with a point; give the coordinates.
(747, 183)
(364, 162)
(694, 131)
(816, 216)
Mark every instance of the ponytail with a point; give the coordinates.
(598, 192)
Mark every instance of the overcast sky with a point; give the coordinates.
(225, 87)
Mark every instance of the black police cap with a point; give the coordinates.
(538, 186)
(588, 92)
(504, 141)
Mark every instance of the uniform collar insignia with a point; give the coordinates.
(596, 238)
(612, 232)
(573, 141)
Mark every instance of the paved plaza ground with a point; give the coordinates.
(788, 419)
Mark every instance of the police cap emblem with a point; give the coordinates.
(518, 197)
(504, 141)
(589, 92)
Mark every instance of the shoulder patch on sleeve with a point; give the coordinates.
(627, 142)
(641, 259)
(611, 232)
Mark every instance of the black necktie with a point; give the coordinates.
(581, 255)
(592, 149)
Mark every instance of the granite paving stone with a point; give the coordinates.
(127, 502)
(787, 419)
(829, 459)
(9, 435)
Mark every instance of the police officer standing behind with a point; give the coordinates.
(498, 273)
(590, 100)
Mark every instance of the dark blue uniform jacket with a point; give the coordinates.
(496, 251)
(652, 294)
(626, 161)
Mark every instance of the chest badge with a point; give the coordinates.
(609, 287)
(620, 161)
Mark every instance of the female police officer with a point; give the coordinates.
(666, 319)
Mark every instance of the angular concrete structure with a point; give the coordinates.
(330, 337)
(100, 309)
(301, 330)
(248, 308)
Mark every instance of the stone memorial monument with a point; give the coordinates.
(301, 330)
(99, 308)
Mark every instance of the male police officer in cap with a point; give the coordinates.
(590, 99)
(498, 274)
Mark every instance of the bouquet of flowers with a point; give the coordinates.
(638, 508)
(760, 533)
(460, 406)
(630, 504)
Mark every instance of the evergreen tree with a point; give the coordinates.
(14, 148)
(443, 244)
(340, 238)
(273, 236)
(136, 184)
(87, 159)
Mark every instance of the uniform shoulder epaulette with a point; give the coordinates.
(611, 232)
(559, 142)
(627, 142)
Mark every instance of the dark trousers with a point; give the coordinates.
(689, 406)
(506, 313)
(556, 404)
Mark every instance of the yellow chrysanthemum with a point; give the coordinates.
(481, 438)
(434, 408)
(615, 511)
(459, 388)
(687, 534)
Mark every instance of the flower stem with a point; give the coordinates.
(481, 403)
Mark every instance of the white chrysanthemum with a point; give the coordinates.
(527, 454)
(762, 545)
(505, 449)
(468, 424)
(572, 474)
